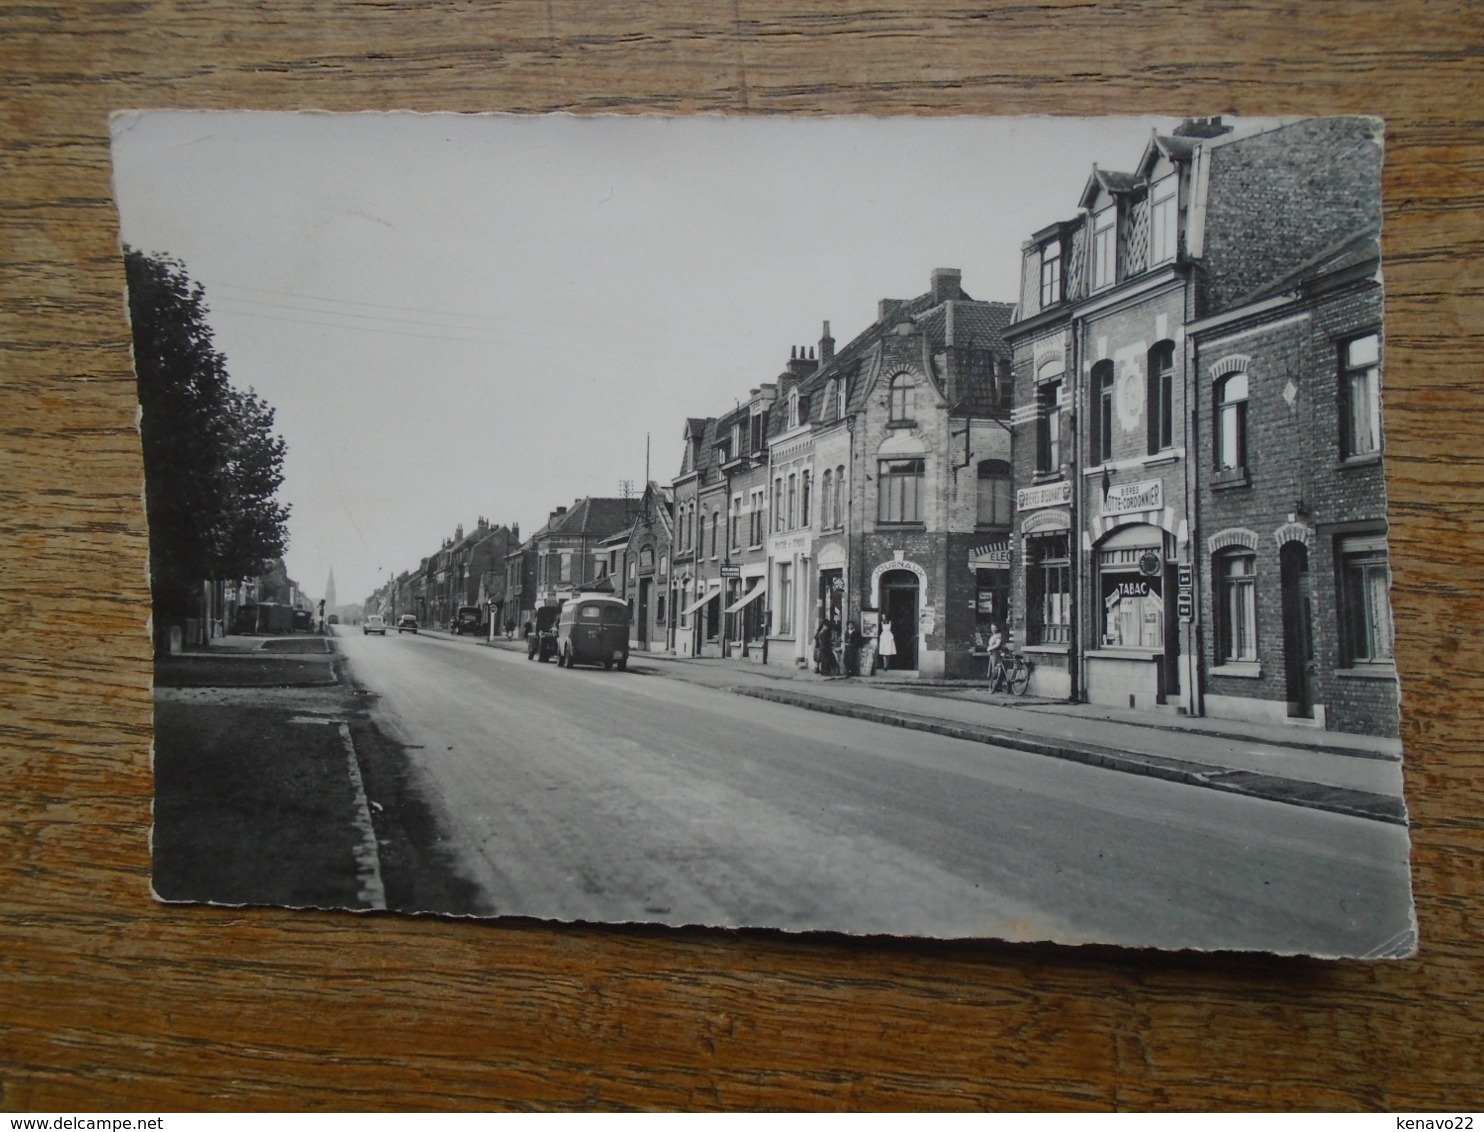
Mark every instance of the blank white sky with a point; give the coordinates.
(458, 316)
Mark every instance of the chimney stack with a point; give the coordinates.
(826, 345)
(1202, 128)
(945, 284)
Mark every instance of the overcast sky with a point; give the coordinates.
(458, 316)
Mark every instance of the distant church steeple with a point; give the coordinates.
(330, 591)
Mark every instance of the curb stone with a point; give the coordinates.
(1311, 795)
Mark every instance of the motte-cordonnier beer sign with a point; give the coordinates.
(1146, 495)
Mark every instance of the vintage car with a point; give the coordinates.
(407, 623)
(593, 629)
(468, 621)
(542, 644)
(373, 624)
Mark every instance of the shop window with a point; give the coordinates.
(1105, 248)
(1048, 427)
(1161, 409)
(902, 398)
(1103, 386)
(1048, 591)
(899, 491)
(1236, 615)
(1360, 395)
(996, 498)
(1365, 581)
(1231, 424)
(1164, 220)
(1130, 585)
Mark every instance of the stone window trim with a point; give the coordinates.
(1233, 537)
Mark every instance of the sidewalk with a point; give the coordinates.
(1342, 773)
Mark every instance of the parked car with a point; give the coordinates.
(304, 620)
(468, 620)
(594, 629)
(407, 623)
(542, 644)
(373, 624)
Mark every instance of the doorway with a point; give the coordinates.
(642, 616)
(1298, 629)
(899, 605)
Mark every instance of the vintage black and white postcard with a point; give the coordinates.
(964, 528)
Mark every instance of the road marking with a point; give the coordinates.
(368, 859)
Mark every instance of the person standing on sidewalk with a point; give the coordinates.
(824, 649)
(996, 647)
(853, 643)
(886, 647)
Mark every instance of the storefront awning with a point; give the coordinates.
(753, 594)
(700, 601)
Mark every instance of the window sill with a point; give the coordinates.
(1230, 478)
(889, 525)
(904, 423)
(1368, 672)
(1114, 652)
(1243, 669)
(1162, 459)
(1040, 478)
(1369, 460)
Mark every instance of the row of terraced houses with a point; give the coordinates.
(1159, 466)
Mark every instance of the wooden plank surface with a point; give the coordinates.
(109, 1000)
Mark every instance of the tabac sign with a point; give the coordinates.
(1123, 498)
(1047, 495)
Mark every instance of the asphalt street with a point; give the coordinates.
(615, 797)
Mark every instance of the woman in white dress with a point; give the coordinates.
(886, 647)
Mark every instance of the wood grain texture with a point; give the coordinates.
(110, 1000)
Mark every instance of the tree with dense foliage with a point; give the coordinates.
(212, 464)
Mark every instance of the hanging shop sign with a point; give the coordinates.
(1125, 498)
(991, 556)
(1046, 495)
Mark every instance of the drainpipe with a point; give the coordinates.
(1076, 661)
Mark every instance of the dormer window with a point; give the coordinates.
(1051, 274)
(1164, 219)
(1105, 247)
(793, 409)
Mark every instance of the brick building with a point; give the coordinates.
(644, 570)
(1112, 465)
(904, 515)
(1293, 508)
(566, 549)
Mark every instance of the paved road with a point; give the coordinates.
(607, 796)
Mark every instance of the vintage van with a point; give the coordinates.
(594, 629)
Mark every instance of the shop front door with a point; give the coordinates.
(899, 606)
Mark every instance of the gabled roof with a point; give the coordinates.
(1176, 149)
(593, 516)
(1117, 184)
(979, 324)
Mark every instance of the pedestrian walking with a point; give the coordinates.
(886, 646)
